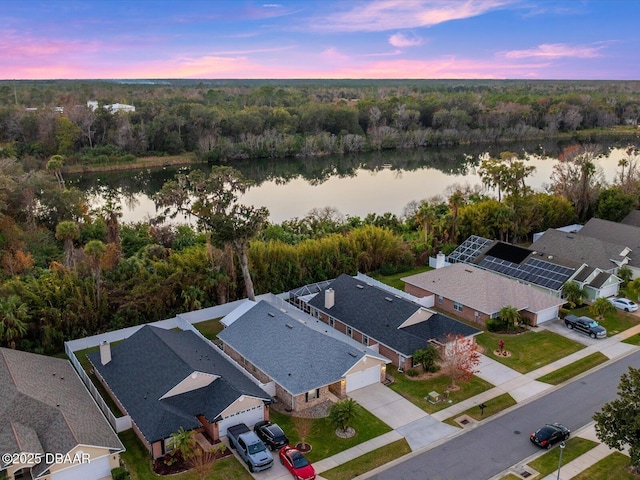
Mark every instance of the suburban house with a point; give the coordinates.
(305, 360)
(167, 379)
(545, 271)
(476, 295)
(618, 233)
(113, 108)
(376, 316)
(45, 409)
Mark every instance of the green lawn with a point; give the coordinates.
(612, 467)
(394, 280)
(368, 461)
(138, 462)
(633, 340)
(565, 373)
(530, 350)
(416, 390)
(323, 439)
(548, 462)
(493, 406)
(210, 328)
(615, 323)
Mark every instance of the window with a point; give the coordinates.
(312, 395)
(332, 323)
(440, 299)
(457, 306)
(365, 340)
(349, 331)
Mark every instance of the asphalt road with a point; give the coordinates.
(488, 449)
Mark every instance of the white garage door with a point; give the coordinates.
(248, 417)
(548, 314)
(363, 378)
(95, 469)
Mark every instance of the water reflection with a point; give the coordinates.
(377, 182)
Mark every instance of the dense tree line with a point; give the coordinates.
(238, 120)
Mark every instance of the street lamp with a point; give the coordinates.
(562, 445)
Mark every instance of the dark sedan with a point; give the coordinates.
(551, 433)
(271, 434)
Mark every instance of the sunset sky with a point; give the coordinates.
(502, 39)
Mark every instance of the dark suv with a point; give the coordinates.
(271, 434)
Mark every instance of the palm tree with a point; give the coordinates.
(426, 216)
(68, 231)
(600, 307)
(573, 294)
(456, 200)
(509, 315)
(13, 315)
(95, 250)
(54, 165)
(184, 442)
(343, 413)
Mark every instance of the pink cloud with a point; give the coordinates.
(554, 50)
(401, 40)
(385, 15)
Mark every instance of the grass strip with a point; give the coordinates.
(493, 406)
(368, 461)
(548, 462)
(573, 369)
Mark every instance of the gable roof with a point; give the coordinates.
(152, 361)
(296, 356)
(619, 233)
(45, 407)
(482, 290)
(595, 252)
(387, 318)
(633, 218)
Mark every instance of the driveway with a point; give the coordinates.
(558, 326)
(414, 424)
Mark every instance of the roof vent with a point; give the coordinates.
(388, 299)
(353, 354)
(271, 314)
(466, 270)
(289, 325)
(360, 286)
(550, 257)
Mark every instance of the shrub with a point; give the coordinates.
(412, 373)
(434, 368)
(119, 473)
(494, 325)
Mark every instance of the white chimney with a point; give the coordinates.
(105, 352)
(439, 260)
(329, 298)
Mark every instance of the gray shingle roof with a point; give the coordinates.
(633, 218)
(379, 314)
(152, 361)
(580, 248)
(619, 233)
(482, 290)
(294, 355)
(45, 407)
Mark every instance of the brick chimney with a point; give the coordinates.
(105, 352)
(329, 298)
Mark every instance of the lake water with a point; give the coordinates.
(355, 186)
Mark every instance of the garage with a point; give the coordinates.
(249, 417)
(363, 378)
(95, 469)
(546, 315)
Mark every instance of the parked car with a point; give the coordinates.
(271, 434)
(624, 304)
(585, 325)
(249, 447)
(551, 433)
(297, 464)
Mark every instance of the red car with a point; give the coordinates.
(297, 464)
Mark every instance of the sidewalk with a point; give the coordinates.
(505, 380)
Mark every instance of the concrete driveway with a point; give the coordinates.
(414, 424)
(558, 326)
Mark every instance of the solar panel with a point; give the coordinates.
(538, 272)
